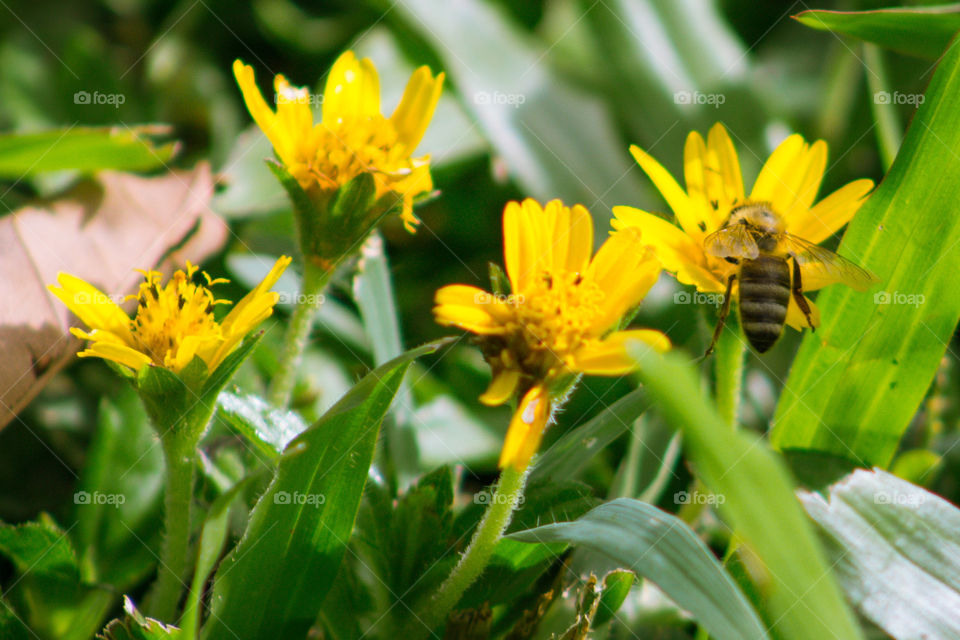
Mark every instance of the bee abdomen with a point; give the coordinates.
(764, 296)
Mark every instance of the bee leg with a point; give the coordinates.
(724, 311)
(798, 294)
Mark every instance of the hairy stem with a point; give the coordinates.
(314, 281)
(474, 560)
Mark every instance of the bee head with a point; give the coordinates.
(760, 215)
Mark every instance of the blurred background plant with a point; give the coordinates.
(542, 99)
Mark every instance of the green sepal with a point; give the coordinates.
(219, 378)
(499, 283)
(332, 224)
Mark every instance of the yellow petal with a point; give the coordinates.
(519, 245)
(580, 239)
(352, 90)
(690, 216)
(501, 387)
(118, 353)
(724, 159)
(294, 120)
(244, 314)
(526, 429)
(467, 296)
(785, 178)
(624, 270)
(830, 214)
(778, 171)
(265, 118)
(611, 357)
(416, 107)
(679, 253)
(94, 308)
(796, 318)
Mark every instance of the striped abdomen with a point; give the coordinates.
(764, 296)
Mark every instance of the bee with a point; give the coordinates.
(770, 262)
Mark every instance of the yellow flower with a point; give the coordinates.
(352, 137)
(559, 317)
(788, 183)
(173, 323)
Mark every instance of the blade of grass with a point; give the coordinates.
(857, 382)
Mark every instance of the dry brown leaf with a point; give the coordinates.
(100, 232)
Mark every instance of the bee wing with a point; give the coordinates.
(820, 267)
(734, 241)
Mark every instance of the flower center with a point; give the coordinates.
(349, 148)
(169, 316)
(552, 320)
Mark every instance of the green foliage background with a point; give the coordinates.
(590, 78)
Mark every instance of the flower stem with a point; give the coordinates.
(314, 281)
(474, 560)
(180, 460)
(728, 360)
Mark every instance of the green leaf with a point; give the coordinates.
(567, 457)
(801, 596)
(373, 293)
(266, 427)
(82, 148)
(119, 500)
(896, 549)
(39, 549)
(663, 549)
(918, 31)
(274, 581)
(616, 588)
(213, 535)
(135, 626)
(857, 382)
(406, 536)
(11, 626)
